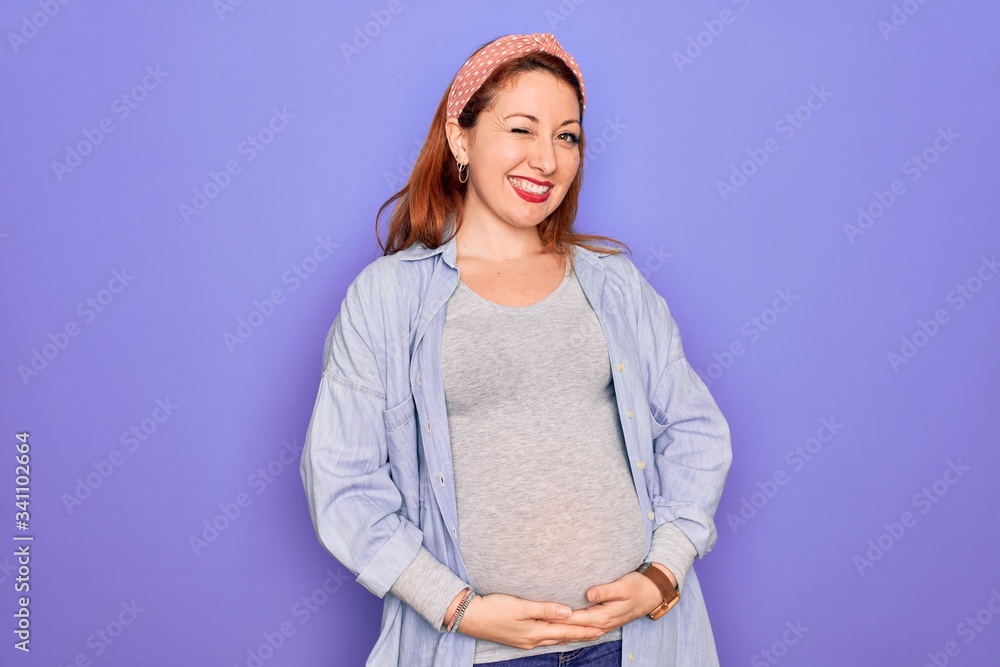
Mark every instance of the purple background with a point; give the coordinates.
(672, 131)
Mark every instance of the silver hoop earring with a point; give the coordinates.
(463, 169)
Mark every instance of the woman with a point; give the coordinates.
(508, 444)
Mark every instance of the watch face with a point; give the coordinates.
(665, 606)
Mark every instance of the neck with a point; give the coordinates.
(493, 240)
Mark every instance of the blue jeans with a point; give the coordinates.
(605, 654)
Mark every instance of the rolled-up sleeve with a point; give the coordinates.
(353, 502)
(691, 438)
(671, 548)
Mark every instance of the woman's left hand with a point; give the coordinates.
(620, 601)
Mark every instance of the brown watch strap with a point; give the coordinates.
(669, 592)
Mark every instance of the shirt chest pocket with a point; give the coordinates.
(659, 420)
(400, 415)
(401, 444)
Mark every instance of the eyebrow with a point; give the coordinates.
(535, 120)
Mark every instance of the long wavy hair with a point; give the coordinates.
(433, 190)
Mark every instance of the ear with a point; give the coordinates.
(456, 140)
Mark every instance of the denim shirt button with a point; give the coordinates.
(640, 465)
(620, 366)
(652, 515)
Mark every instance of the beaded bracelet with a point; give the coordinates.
(454, 614)
(460, 610)
(465, 607)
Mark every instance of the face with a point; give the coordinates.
(523, 153)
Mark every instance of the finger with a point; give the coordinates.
(604, 592)
(593, 616)
(550, 611)
(560, 633)
(603, 615)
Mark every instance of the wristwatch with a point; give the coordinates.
(671, 595)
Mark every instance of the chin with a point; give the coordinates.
(535, 216)
(533, 221)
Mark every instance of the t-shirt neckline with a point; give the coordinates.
(531, 306)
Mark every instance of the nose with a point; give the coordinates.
(543, 157)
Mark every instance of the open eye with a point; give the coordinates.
(573, 139)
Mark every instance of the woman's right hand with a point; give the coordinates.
(513, 621)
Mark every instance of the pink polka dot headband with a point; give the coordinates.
(478, 68)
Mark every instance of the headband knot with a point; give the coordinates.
(544, 40)
(480, 66)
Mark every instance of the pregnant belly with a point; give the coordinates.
(537, 547)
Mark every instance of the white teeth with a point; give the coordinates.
(533, 188)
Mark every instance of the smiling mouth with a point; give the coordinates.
(529, 187)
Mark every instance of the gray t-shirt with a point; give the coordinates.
(546, 503)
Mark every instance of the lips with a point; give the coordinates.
(530, 189)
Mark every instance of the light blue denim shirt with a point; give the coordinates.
(377, 467)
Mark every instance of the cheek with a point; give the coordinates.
(509, 156)
(504, 160)
(570, 163)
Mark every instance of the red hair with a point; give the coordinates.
(433, 190)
